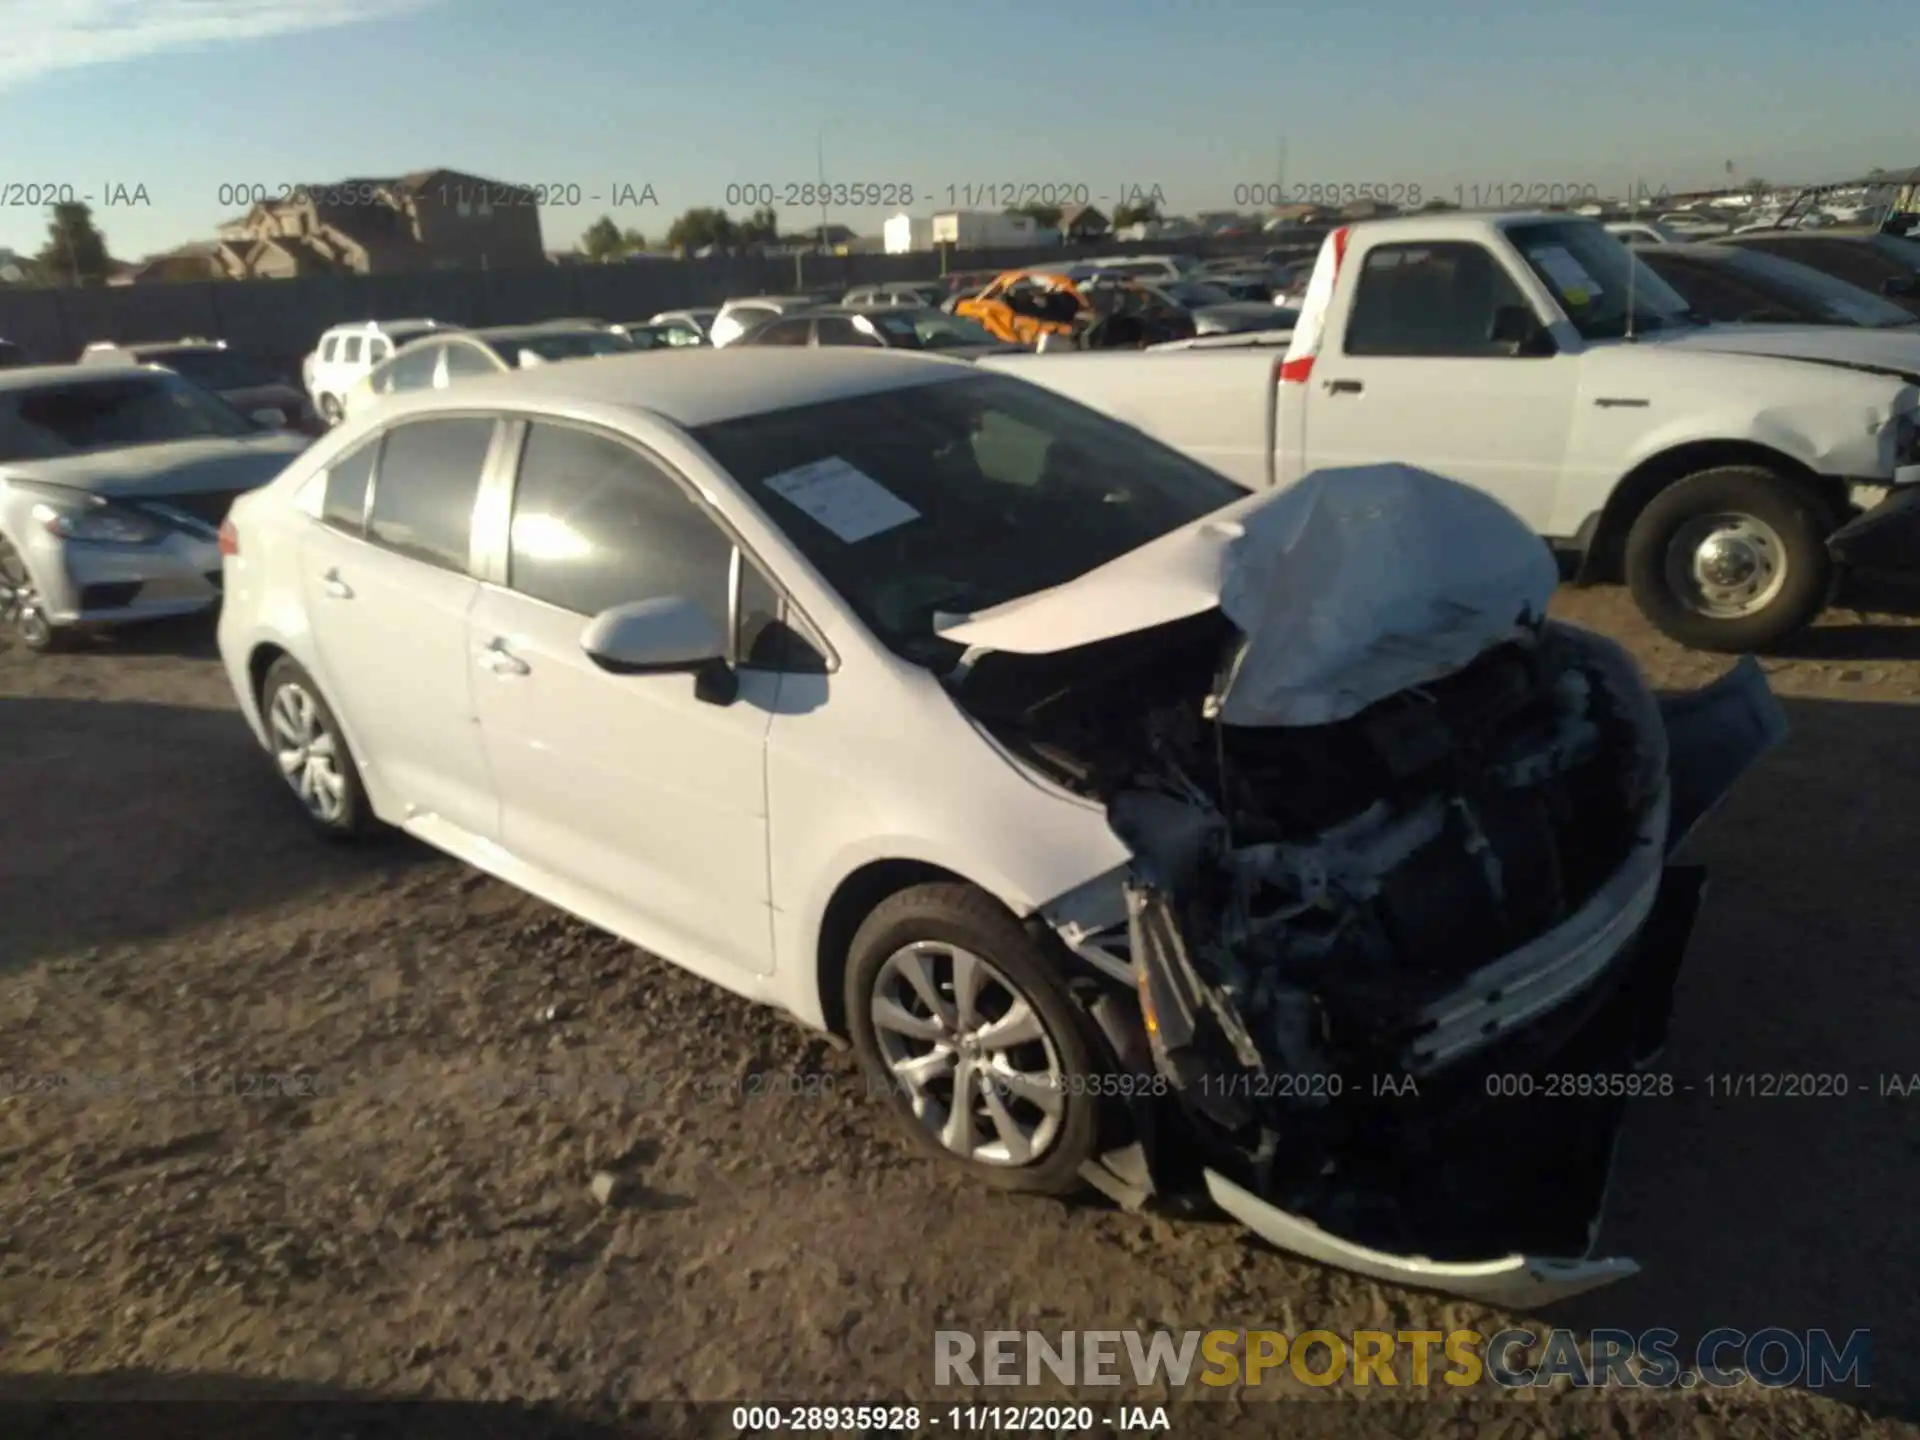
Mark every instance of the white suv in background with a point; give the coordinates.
(347, 352)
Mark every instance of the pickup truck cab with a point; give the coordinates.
(1724, 472)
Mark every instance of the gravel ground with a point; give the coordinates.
(432, 1230)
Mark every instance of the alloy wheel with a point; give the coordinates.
(20, 608)
(969, 1053)
(308, 752)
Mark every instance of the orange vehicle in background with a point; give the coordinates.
(1021, 306)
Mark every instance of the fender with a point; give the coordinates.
(798, 930)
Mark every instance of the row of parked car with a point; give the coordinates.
(1845, 301)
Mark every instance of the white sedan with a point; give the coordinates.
(1075, 786)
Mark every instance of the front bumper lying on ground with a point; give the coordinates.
(1488, 1178)
(1884, 538)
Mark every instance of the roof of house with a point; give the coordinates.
(697, 386)
(1074, 214)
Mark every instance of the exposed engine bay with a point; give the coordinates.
(1330, 880)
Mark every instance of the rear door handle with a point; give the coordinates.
(336, 587)
(1344, 387)
(502, 661)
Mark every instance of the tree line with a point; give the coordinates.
(75, 252)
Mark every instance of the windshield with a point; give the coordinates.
(1848, 304)
(566, 345)
(79, 417)
(937, 330)
(215, 369)
(1589, 273)
(957, 495)
(1898, 247)
(1194, 292)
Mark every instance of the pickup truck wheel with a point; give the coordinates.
(1732, 559)
(964, 1023)
(330, 411)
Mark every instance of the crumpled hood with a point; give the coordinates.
(1349, 586)
(182, 467)
(1885, 352)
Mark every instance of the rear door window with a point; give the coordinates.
(345, 504)
(425, 482)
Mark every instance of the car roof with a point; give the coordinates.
(421, 322)
(527, 332)
(32, 377)
(696, 386)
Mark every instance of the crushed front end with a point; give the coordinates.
(1404, 972)
(1402, 926)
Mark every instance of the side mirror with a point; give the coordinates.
(670, 635)
(268, 417)
(1518, 328)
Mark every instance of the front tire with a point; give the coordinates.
(1732, 559)
(330, 412)
(965, 1023)
(23, 615)
(311, 752)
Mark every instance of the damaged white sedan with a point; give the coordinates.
(1135, 830)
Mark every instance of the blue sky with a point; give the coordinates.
(182, 97)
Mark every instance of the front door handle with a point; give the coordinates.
(1344, 387)
(498, 658)
(336, 587)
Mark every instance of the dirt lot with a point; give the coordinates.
(429, 1233)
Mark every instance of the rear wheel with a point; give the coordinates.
(23, 615)
(1732, 559)
(312, 754)
(963, 1021)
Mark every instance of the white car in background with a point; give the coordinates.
(1043, 763)
(1646, 232)
(698, 322)
(737, 317)
(113, 482)
(432, 362)
(344, 355)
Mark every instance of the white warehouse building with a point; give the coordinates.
(965, 230)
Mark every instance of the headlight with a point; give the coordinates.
(96, 522)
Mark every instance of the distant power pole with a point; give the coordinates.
(1281, 175)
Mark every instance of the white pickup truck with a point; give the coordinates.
(1726, 473)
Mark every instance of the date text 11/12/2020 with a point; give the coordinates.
(1412, 195)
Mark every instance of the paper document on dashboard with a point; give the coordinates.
(849, 502)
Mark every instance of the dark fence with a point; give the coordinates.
(281, 319)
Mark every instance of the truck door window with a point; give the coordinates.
(1431, 300)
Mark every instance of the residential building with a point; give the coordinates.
(429, 220)
(196, 261)
(1082, 223)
